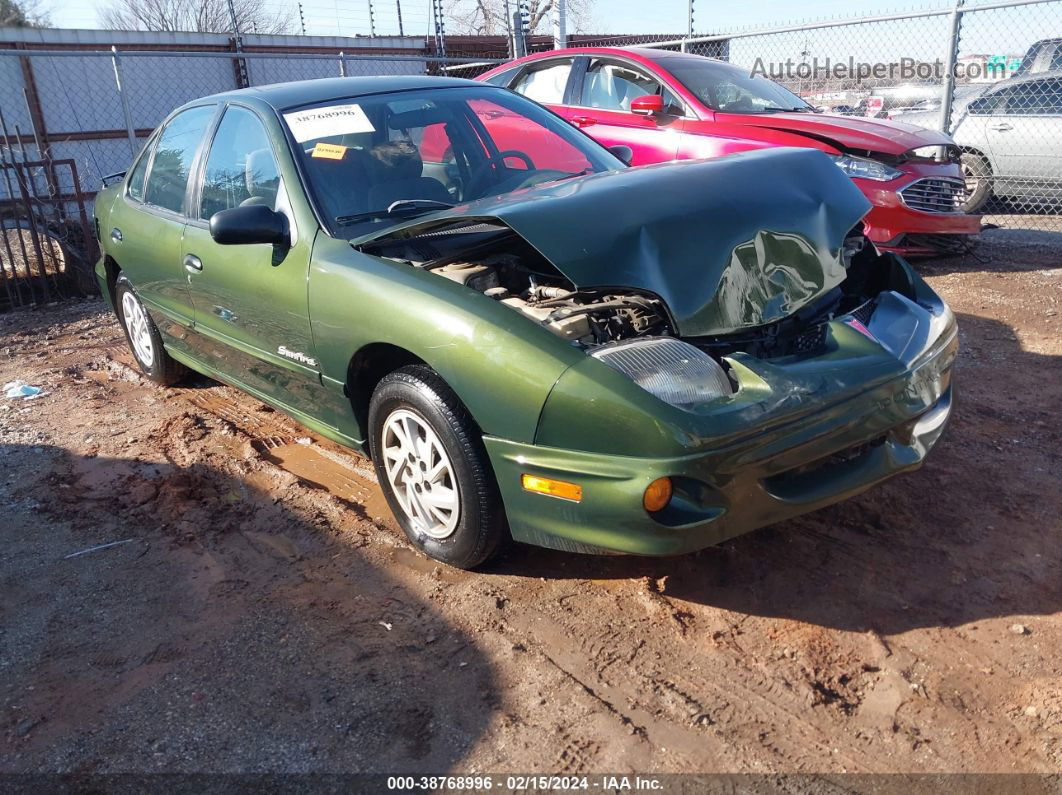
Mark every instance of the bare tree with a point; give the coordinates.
(201, 16)
(489, 17)
(22, 14)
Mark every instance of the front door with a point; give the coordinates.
(601, 106)
(147, 222)
(251, 318)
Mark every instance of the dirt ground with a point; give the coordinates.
(263, 613)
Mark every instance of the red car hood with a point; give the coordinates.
(846, 132)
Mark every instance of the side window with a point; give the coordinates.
(612, 86)
(988, 104)
(241, 169)
(136, 176)
(546, 83)
(503, 78)
(1036, 98)
(174, 153)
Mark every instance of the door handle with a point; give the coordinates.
(116, 235)
(583, 121)
(192, 263)
(1000, 126)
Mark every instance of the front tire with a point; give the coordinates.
(433, 468)
(143, 337)
(977, 174)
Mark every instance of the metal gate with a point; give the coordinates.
(47, 248)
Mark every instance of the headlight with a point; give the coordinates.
(865, 168)
(672, 370)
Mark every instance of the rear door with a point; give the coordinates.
(250, 301)
(147, 224)
(1025, 139)
(600, 105)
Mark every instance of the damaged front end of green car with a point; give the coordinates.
(744, 356)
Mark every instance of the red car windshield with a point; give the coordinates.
(730, 89)
(382, 158)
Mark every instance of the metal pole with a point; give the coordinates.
(509, 46)
(523, 22)
(440, 29)
(560, 24)
(948, 91)
(398, 8)
(116, 62)
(302, 20)
(689, 27)
(372, 21)
(342, 64)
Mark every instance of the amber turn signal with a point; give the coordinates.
(552, 488)
(657, 494)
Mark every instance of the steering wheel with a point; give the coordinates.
(500, 158)
(478, 179)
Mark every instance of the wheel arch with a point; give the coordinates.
(369, 365)
(112, 270)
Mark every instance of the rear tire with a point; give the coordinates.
(977, 174)
(143, 337)
(433, 468)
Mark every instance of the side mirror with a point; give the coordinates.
(254, 223)
(622, 152)
(649, 105)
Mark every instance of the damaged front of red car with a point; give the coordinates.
(911, 176)
(668, 106)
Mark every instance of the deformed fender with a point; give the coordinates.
(501, 366)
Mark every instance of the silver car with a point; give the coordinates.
(1011, 137)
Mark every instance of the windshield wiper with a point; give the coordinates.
(403, 208)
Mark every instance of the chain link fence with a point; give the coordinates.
(70, 117)
(988, 73)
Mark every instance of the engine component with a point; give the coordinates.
(477, 276)
(572, 328)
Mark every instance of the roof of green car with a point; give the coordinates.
(307, 92)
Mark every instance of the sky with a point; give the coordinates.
(994, 32)
(350, 17)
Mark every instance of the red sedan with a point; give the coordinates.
(673, 106)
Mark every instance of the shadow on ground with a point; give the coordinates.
(975, 534)
(225, 634)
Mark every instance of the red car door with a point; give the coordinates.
(600, 104)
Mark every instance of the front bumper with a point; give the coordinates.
(896, 228)
(788, 464)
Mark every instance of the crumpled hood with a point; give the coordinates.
(730, 243)
(849, 132)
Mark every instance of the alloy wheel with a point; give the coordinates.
(136, 323)
(420, 474)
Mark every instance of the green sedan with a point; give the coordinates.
(529, 339)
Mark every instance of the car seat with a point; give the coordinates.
(397, 171)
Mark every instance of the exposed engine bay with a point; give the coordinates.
(491, 259)
(508, 270)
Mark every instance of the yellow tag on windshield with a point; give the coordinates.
(329, 151)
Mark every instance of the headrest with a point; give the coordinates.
(397, 160)
(419, 118)
(260, 172)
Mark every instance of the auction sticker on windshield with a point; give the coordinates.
(306, 125)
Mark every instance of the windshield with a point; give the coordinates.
(730, 89)
(381, 159)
